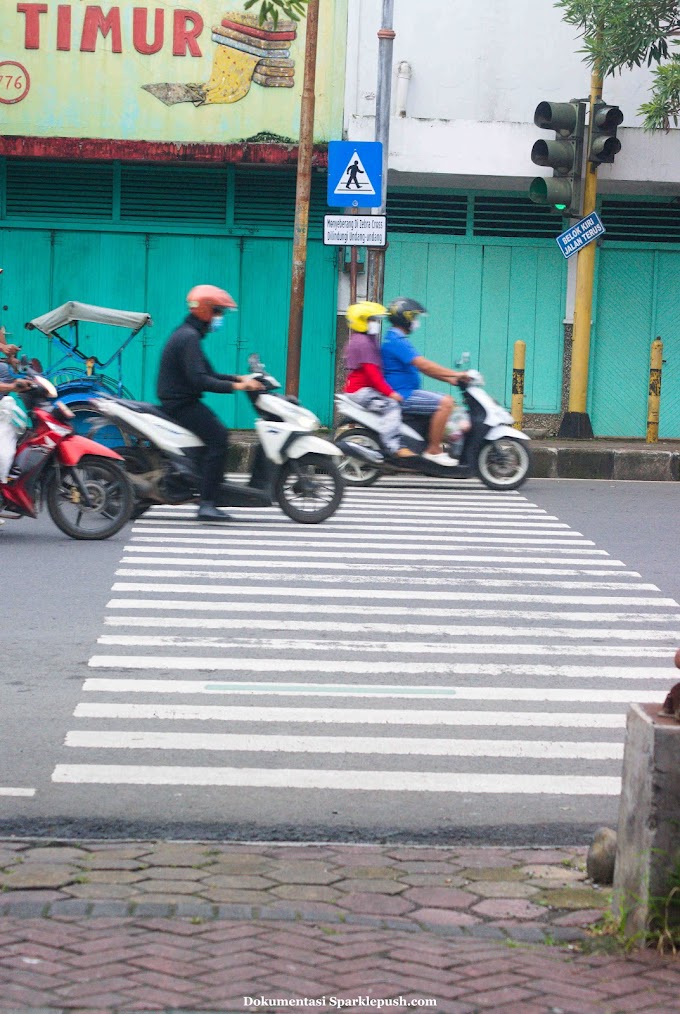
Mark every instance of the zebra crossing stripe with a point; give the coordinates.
(291, 591)
(249, 664)
(273, 549)
(350, 780)
(458, 693)
(432, 629)
(433, 612)
(382, 648)
(381, 745)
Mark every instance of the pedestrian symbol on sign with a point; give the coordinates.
(354, 178)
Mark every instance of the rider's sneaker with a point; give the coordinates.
(440, 459)
(209, 512)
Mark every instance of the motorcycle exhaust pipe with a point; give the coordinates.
(352, 450)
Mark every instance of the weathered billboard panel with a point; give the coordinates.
(185, 71)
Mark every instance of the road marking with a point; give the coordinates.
(386, 647)
(272, 590)
(263, 567)
(449, 630)
(563, 553)
(300, 665)
(367, 716)
(583, 695)
(9, 791)
(369, 781)
(384, 745)
(378, 567)
(373, 535)
(432, 612)
(273, 548)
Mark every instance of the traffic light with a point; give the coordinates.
(604, 144)
(564, 155)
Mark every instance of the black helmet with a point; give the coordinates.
(402, 312)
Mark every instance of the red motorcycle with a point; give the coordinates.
(83, 484)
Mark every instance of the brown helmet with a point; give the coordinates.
(207, 301)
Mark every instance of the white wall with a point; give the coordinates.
(479, 68)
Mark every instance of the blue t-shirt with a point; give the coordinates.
(397, 355)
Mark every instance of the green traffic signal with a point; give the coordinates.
(564, 155)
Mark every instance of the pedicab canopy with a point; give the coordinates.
(72, 312)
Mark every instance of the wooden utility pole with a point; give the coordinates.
(302, 197)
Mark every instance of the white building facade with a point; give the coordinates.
(463, 236)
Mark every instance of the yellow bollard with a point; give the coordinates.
(654, 401)
(517, 404)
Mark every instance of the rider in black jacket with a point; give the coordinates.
(185, 373)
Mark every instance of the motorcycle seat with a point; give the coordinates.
(148, 408)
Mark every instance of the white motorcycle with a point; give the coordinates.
(292, 466)
(492, 450)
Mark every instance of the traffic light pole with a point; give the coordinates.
(576, 421)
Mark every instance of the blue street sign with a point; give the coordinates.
(577, 236)
(354, 174)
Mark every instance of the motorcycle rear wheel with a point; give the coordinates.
(354, 471)
(504, 464)
(107, 486)
(309, 489)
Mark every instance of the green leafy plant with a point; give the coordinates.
(272, 9)
(620, 34)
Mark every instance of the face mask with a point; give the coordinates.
(373, 327)
(216, 323)
(415, 324)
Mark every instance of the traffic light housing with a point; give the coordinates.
(603, 142)
(564, 155)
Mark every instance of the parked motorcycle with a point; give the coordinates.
(492, 450)
(83, 484)
(292, 466)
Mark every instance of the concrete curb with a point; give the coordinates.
(605, 463)
(552, 462)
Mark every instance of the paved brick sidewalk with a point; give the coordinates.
(195, 927)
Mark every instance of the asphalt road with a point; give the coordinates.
(54, 609)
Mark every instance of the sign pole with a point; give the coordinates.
(386, 36)
(302, 197)
(576, 421)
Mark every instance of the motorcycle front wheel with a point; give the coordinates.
(108, 490)
(504, 464)
(309, 489)
(354, 471)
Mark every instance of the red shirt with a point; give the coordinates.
(367, 375)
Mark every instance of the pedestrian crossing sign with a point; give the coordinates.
(354, 174)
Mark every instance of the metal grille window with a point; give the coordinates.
(265, 198)
(432, 213)
(180, 194)
(58, 190)
(514, 217)
(642, 221)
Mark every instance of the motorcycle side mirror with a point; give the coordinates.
(254, 363)
(36, 365)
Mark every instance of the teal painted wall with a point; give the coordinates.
(638, 299)
(482, 298)
(152, 272)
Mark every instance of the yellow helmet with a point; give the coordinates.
(359, 314)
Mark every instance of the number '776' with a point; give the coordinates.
(8, 78)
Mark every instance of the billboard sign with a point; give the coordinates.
(190, 71)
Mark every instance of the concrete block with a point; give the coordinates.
(648, 838)
(648, 465)
(584, 463)
(543, 462)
